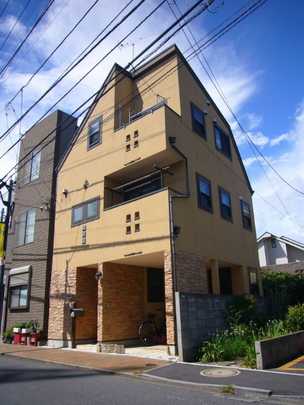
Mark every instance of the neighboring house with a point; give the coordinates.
(153, 199)
(30, 238)
(280, 253)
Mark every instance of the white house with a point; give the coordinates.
(275, 250)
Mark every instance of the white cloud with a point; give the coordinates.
(291, 166)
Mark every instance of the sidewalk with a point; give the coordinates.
(275, 383)
(112, 363)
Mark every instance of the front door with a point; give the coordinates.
(225, 280)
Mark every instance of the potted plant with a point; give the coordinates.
(8, 336)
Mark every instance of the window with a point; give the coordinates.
(94, 137)
(26, 227)
(19, 297)
(155, 287)
(204, 193)
(273, 243)
(19, 280)
(225, 204)
(33, 168)
(85, 212)
(222, 141)
(198, 121)
(246, 215)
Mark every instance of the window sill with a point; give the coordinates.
(90, 147)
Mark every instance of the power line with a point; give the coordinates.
(108, 89)
(4, 8)
(209, 41)
(57, 81)
(249, 140)
(128, 66)
(14, 24)
(3, 69)
(82, 18)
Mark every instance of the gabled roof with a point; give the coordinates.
(143, 69)
(284, 239)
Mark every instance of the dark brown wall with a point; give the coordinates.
(38, 254)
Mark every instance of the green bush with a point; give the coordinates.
(295, 318)
(242, 310)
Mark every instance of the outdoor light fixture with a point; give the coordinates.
(98, 275)
(65, 192)
(86, 184)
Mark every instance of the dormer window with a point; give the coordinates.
(94, 133)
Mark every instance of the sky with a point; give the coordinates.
(259, 65)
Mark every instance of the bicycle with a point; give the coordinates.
(149, 333)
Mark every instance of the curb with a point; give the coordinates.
(239, 390)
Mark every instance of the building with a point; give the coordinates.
(280, 253)
(30, 237)
(153, 201)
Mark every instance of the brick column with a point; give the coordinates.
(215, 276)
(101, 268)
(169, 299)
(245, 275)
(62, 292)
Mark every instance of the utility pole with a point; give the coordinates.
(8, 205)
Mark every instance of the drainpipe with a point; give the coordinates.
(173, 235)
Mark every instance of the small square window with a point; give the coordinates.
(128, 218)
(128, 138)
(137, 227)
(135, 135)
(128, 230)
(136, 144)
(128, 147)
(136, 216)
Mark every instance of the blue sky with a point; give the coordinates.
(259, 65)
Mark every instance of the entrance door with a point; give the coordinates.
(225, 280)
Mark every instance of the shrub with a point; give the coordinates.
(242, 310)
(295, 318)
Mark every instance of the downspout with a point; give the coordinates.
(173, 233)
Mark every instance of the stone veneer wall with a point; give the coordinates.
(63, 291)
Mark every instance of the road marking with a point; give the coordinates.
(289, 365)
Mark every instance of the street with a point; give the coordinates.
(32, 382)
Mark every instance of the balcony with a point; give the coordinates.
(144, 142)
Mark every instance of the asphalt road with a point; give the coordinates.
(27, 382)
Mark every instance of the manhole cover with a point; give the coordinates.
(219, 372)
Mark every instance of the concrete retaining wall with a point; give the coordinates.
(200, 316)
(274, 352)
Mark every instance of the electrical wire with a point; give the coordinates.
(210, 40)
(4, 8)
(58, 80)
(128, 66)
(19, 17)
(75, 26)
(3, 69)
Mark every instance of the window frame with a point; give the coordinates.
(26, 213)
(93, 145)
(242, 203)
(223, 134)
(220, 191)
(29, 168)
(198, 177)
(202, 134)
(85, 219)
(19, 307)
